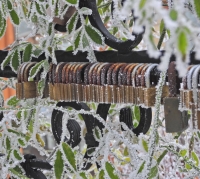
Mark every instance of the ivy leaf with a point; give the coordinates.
(111, 171)
(6, 60)
(27, 53)
(153, 172)
(69, 154)
(58, 165)
(197, 8)
(13, 101)
(93, 34)
(141, 167)
(2, 25)
(72, 1)
(14, 16)
(145, 145)
(195, 158)
(8, 145)
(182, 42)
(17, 155)
(15, 62)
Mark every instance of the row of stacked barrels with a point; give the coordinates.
(94, 82)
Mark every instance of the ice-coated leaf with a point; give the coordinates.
(111, 171)
(153, 172)
(27, 53)
(8, 145)
(9, 4)
(69, 154)
(187, 166)
(142, 3)
(80, 117)
(39, 9)
(13, 101)
(70, 48)
(136, 113)
(73, 2)
(14, 16)
(72, 23)
(183, 152)
(85, 42)
(102, 174)
(36, 68)
(58, 165)
(21, 142)
(197, 8)
(145, 145)
(173, 14)
(40, 140)
(97, 132)
(182, 42)
(2, 25)
(126, 153)
(161, 156)
(6, 60)
(85, 11)
(17, 174)
(162, 26)
(40, 86)
(141, 167)
(37, 52)
(77, 40)
(83, 175)
(93, 34)
(195, 158)
(15, 62)
(17, 155)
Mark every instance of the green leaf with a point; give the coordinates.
(72, 1)
(80, 117)
(101, 174)
(126, 153)
(85, 41)
(8, 145)
(17, 155)
(15, 60)
(77, 40)
(27, 53)
(72, 23)
(17, 174)
(21, 142)
(162, 26)
(145, 145)
(195, 158)
(6, 61)
(83, 175)
(39, 9)
(93, 34)
(183, 152)
(58, 165)
(2, 25)
(136, 113)
(187, 166)
(111, 171)
(69, 154)
(173, 14)
(153, 172)
(97, 132)
(182, 42)
(14, 17)
(40, 140)
(142, 4)
(70, 48)
(37, 52)
(13, 101)
(115, 30)
(36, 68)
(161, 156)
(9, 4)
(141, 168)
(41, 86)
(197, 8)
